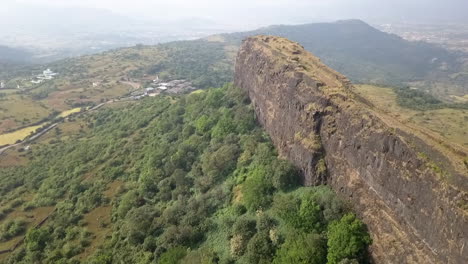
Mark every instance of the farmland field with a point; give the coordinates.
(19, 110)
(70, 112)
(11, 138)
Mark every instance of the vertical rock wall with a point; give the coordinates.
(318, 123)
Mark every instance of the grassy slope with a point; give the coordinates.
(93, 168)
(452, 124)
(206, 64)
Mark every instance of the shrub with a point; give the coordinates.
(257, 189)
(302, 249)
(244, 226)
(301, 213)
(173, 255)
(36, 239)
(285, 175)
(347, 239)
(260, 248)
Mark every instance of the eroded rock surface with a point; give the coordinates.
(413, 208)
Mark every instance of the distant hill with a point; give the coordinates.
(362, 52)
(12, 55)
(352, 47)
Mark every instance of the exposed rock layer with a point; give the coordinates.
(316, 120)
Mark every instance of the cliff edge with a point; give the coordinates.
(412, 195)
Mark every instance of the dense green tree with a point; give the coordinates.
(302, 249)
(37, 239)
(347, 239)
(173, 255)
(260, 249)
(257, 189)
(300, 212)
(285, 175)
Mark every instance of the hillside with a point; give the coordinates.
(115, 74)
(361, 52)
(402, 183)
(205, 182)
(181, 179)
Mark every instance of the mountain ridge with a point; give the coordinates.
(316, 120)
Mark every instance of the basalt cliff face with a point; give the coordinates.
(415, 209)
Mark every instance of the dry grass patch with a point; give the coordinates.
(13, 158)
(98, 223)
(19, 110)
(70, 112)
(451, 124)
(32, 217)
(113, 188)
(13, 137)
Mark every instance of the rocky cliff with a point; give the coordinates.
(411, 195)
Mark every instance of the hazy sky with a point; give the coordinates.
(275, 11)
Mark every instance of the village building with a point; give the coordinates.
(150, 90)
(46, 75)
(37, 81)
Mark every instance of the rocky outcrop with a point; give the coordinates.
(413, 210)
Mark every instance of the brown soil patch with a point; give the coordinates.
(6, 125)
(32, 217)
(237, 194)
(98, 223)
(12, 158)
(113, 188)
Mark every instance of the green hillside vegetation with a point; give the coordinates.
(204, 63)
(184, 179)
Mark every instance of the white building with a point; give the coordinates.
(2, 85)
(48, 72)
(150, 90)
(46, 75)
(36, 81)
